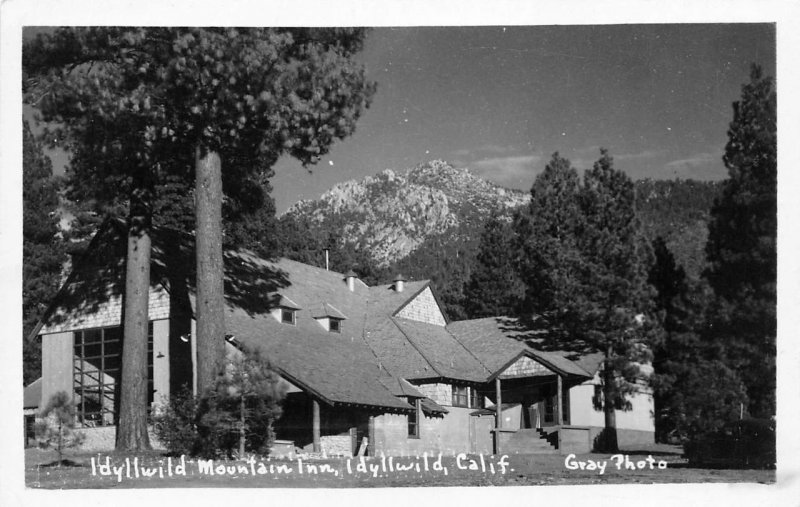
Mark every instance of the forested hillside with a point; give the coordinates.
(426, 223)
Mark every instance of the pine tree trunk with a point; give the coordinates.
(609, 397)
(60, 443)
(210, 299)
(241, 427)
(132, 426)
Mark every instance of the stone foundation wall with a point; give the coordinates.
(103, 439)
(336, 445)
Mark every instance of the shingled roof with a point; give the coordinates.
(336, 367)
(447, 357)
(498, 341)
(364, 363)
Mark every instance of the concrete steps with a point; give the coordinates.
(532, 441)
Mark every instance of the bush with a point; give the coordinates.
(749, 443)
(175, 424)
(232, 418)
(57, 427)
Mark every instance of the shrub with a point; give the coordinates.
(232, 418)
(749, 443)
(57, 427)
(174, 424)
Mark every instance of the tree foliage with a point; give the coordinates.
(742, 243)
(300, 238)
(694, 391)
(234, 417)
(42, 247)
(140, 105)
(56, 427)
(494, 288)
(249, 393)
(678, 211)
(585, 268)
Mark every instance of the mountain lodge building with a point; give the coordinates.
(377, 370)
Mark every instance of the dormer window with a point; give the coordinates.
(286, 311)
(328, 317)
(288, 316)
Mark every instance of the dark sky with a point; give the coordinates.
(501, 100)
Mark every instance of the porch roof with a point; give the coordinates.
(498, 342)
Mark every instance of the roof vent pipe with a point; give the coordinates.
(350, 277)
(399, 281)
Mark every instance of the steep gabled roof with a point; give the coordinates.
(326, 310)
(442, 351)
(390, 346)
(337, 368)
(499, 341)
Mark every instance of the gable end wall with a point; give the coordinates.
(423, 308)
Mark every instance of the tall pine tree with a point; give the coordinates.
(42, 249)
(742, 244)
(586, 274)
(139, 104)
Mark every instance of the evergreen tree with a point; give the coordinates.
(139, 104)
(494, 288)
(615, 296)
(56, 428)
(42, 250)
(249, 393)
(742, 242)
(694, 391)
(585, 271)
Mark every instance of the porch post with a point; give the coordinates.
(315, 431)
(560, 400)
(498, 415)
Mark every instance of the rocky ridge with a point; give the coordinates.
(391, 213)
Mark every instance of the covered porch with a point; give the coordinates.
(531, 415)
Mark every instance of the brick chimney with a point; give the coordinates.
(350, 277)
(399, 282)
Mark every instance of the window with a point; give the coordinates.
(460, 396)
(475, 399)
(96, 374)
(467, 397)
(287, 316)
(414, 417)
(335, 326)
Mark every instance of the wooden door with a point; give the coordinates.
(548, 408)
(480, 434)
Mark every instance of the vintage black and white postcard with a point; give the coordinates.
(312, 253)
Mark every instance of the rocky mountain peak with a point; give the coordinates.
(391, 213)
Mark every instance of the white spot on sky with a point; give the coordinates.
(427, 152)
(330, 162)
(669, 128)
(563, 133)
(405, 120)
